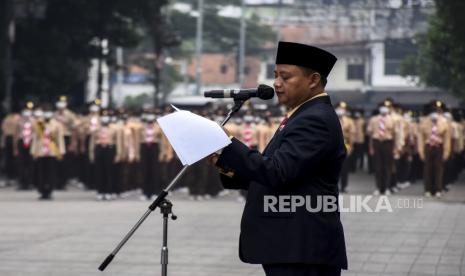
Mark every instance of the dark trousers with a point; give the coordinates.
(450, 170)
(345, 174)
(25, 166)
(9, 158)
(104, 168)
(358, 155)
(197, 180)
(150, 167)
(404, 169)
(417, 168)
(86, 171)
(46, 175)
(383, 159)
(434, 168)
(300, 270)
(394, 174)
(66, 165)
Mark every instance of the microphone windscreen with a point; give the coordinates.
(265, 92)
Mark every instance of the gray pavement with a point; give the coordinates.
(72, 234)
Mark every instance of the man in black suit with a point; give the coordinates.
(303, 160)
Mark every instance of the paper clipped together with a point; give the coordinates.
(192, 137)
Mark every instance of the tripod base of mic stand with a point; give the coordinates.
(166, 208)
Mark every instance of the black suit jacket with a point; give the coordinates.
(303, 158)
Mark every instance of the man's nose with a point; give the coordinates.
(277, 83)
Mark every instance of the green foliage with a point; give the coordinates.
(136, 102)
(221, 34)
(52, 54)
(439, 61)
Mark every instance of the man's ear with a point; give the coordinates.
(315, 79)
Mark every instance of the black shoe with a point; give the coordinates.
(45, 197)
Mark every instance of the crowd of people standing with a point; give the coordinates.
(116, 151)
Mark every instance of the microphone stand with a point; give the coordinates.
(165, 208)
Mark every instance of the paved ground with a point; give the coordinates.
(72, 234)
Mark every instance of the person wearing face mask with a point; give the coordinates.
(348, 131)
(102, 152)
(47, 148)
(381, 130)
(89, 124)
(22, 147)
(9, 127)
(459, 145)
(434, 139)
(399, 143)
(359, 139)
(149, 138)
(68, 119)
(408, 150)
(449, 166)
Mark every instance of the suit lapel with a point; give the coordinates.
(319, 100)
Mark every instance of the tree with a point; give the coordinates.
(256, 36)
(53, 53)
(439, 61)
(152, 16)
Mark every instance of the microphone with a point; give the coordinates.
(263, 92)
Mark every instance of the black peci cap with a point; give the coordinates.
(306, 56)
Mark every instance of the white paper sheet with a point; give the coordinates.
(192, 137)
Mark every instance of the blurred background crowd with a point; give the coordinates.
(397, 86)
(118, 152)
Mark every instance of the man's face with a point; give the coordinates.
(291, 84)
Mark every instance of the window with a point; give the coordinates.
(223, 68)
(356, 72)
(395, 51)
(246, 70)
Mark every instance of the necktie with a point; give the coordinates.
(26, 134)
(46, 142)
(247, 135)
(283, 122)
(93, 123)
(434, 138)
(381, 128)
(149, 135)
(104, 138)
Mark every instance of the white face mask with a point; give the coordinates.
(26, 113)
(383, 110)
(150, 118)
(61, 105)
(105, 119)
(48, 115)
(248, 119)
(94, 109)
(38, 114)
(340, 112)
(434, 116)
(407, 117)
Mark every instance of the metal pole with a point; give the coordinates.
(119, 73)
(198, 48)
(10, 29)
(164, 250)
(242, 45)
(99, 69)
(279, 21)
